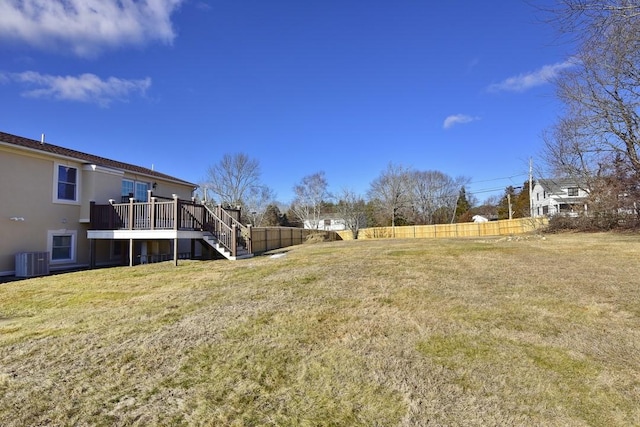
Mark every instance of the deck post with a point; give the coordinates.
(92, 213)
(152, 213)
(175, 251)
(250, 239)
(111, 221)
(175, 212)
(131, 200)
(234, 240)
(130, 252)
(92, 252)
(150, 209)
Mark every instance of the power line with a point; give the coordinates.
(498, 179)
(491, 190)
(488, 190)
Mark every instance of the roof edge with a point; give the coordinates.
(85, 158)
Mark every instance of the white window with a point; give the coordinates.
(61, 245)
(136, 189)
(141, 191)
(65, 183)
(127, 190)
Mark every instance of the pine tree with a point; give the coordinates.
(462, 206)
(272, 216)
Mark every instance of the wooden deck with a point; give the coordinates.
(173, 218)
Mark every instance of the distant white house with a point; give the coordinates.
(558, 196)
(479, 218)
(327, 223)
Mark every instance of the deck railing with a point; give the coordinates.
(163, 214)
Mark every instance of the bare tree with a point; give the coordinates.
(233, 178)
(310, 193)
(257, 200)
(601, 95)
(352, 209)
(588, 20)
(391, 191)
(433, 191)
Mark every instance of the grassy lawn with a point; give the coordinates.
(389, 332)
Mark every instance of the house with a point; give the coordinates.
(79, 210)
(558, 196)
(326, 222)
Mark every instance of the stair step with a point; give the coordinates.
(241, 253)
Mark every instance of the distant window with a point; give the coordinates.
(565, 207)
(572, 191)
(66, 180)
(538, 196)
(545, 210)
(327, 223)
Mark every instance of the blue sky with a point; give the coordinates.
(339, 86)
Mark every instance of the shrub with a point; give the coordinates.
(601, 221)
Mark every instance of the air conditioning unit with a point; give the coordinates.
(31, 264)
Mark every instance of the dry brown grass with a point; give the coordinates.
(393, 332)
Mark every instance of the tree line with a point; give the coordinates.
(595, 142)
(397, 196)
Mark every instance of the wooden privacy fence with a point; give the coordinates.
(467, 229)
(268, 238)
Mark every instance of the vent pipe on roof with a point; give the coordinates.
(42, 139)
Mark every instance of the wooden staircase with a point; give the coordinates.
(224, 233)
(212, 241)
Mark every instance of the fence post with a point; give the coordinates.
(250, 241)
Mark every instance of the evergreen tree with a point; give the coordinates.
(462, 206)
(521, 204)
(272, 216)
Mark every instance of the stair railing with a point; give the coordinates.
(226, 232)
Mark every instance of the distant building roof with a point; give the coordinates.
(32, 144)
(556, 185)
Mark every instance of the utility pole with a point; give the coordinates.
(530, 187)
(509, 199)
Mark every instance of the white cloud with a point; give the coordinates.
(84, 88)
(523, 82)
(455, 119)
(87, 26)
